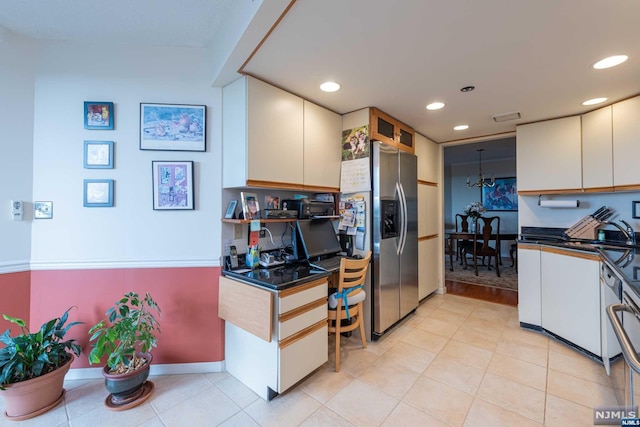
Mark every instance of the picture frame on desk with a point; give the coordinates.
(250, 205)
(503, 196)
(231, 209)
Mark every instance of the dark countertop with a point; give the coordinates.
(278, 278)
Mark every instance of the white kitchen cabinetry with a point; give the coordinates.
(322, 153)
(274, 139)
(549, 156)
(529, 282)
(273, 339)
(597, 150)
(571, 296)
(626, 144)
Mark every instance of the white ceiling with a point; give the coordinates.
(530, 56)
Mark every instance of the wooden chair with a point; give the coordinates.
(487, 229)
(462, 226)
(350, 290)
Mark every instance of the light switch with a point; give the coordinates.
(16, 210)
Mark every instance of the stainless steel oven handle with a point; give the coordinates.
(628, 351)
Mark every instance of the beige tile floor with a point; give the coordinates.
(455, 362)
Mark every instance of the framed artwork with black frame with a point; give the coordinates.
(635, 211)
(172, 185)
(172, 127)
(503, 196)
(98, 115)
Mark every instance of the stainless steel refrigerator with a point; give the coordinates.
(394, 276)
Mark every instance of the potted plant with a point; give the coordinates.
(33, 366)
(126, 336)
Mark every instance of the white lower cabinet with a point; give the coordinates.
(570, 296)
(529, 304)
(297, 344)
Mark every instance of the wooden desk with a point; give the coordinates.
(455, 235)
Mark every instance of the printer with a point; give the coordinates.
(309, 208)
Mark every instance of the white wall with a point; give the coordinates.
(16, 149)
(131, 232)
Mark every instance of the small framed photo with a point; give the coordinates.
(98, 154)
(172, 127)
(98, 115)
(635, 211)
(172, 185)
(231, 209)
(250, 205)
(98, 193)
(43, 210)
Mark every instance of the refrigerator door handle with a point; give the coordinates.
(403, 233)
(401, 217)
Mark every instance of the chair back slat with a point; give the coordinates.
(353, 273)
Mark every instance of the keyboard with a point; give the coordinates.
(327, 264)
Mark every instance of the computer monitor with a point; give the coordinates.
(318, 237)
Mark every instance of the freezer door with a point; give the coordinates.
(409, 246)
(385, 265)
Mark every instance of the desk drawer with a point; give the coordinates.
(296, 297)
(305, 317)
(301, 354)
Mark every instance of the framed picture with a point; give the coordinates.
(250, 205)
(98, 154)
(172, 185)
(98, 115)
(635, 211)
(43, 210)
(172, 127)
(98, 193)
(503, 196)
(231, 209)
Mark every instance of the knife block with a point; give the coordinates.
(586, 228)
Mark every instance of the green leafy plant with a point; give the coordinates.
(130, 328)
(28, 355)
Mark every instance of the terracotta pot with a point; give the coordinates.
(27, 399)
(126, 388)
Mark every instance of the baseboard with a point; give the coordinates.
(167, 369)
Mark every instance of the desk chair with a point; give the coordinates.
(346, 303)
(487, 228)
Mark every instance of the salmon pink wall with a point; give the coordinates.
(188, 297)
(15, 290)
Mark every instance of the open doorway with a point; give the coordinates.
(465, 168)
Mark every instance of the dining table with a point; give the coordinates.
(459, 235)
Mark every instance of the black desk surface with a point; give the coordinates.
(279, 278)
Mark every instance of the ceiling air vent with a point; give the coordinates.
(507, 116)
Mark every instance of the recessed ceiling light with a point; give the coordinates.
(594, 101)
(461, 127)
(435, 106)
(611, 61)
(329, 87)
(467, 89)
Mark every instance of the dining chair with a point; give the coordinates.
(487, 229)
(462, 226)
(346, 303)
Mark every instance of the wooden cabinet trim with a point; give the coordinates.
(529, 246)
(302, 309)
(272, 184)
(248, 307)
(423, 182)
(301, 288)
(429, 237)
(302, 334)
(571, 252)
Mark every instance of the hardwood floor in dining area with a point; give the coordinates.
(485, 293)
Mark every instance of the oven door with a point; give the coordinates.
(629, 338)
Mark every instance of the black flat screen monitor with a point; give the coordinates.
(318, 237)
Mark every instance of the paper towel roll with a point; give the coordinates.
(559, 203)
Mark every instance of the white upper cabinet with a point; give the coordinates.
(428, 159)
(626, 144)
(597, 150)
(322, 151)
(549, 155)
(274, 139)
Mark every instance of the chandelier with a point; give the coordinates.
(481, 181)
